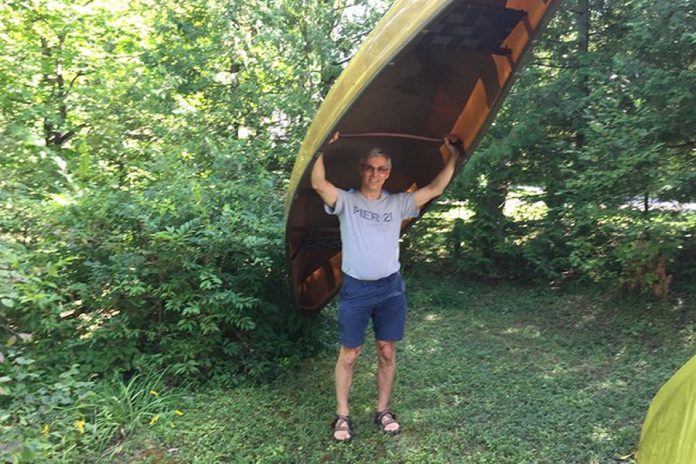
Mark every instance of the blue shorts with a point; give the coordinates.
(383, 301)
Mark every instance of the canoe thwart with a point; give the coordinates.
(343, 135)
(453, 138)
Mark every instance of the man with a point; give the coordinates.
(370, 220)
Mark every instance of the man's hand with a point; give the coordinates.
(437, 186)
(454, 145)
(453, 139)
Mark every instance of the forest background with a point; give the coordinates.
(145, 152)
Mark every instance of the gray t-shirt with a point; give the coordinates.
(370, 231)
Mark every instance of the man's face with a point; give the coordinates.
(374, 172)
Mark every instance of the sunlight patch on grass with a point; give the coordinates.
(555, 372)
(688, 335)
(586, 319)
(602, 435)
(529, 331)
(611, 385)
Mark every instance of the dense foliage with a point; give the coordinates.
(145, 152)
(145, 148)
(597, 140)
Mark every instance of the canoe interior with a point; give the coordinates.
(450, 79)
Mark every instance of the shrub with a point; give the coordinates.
(632, 254)
(183, 269)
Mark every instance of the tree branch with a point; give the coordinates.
(72, 82)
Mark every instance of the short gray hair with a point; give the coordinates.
(374, 153)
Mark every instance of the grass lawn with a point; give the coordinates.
(487, 374)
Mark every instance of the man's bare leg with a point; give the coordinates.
(345, 366)
(386, 372)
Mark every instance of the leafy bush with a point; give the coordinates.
(623, 250)
(183, 269)
(633, 254)
(39, 411)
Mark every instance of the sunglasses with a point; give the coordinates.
(373, 169)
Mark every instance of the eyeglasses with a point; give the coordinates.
(373, 169)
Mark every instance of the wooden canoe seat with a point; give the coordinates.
(325, 241)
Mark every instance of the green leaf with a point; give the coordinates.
(22, 361)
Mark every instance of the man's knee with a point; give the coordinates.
(386, 352)
(349, 356)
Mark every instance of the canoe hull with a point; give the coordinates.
(429, 68)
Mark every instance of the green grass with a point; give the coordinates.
(487, 374)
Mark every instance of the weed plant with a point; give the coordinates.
(84, 421)
(116, 409)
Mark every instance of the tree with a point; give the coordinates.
(145, 149)
(600, 118)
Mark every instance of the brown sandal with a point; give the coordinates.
(390, 419)
(342, 424)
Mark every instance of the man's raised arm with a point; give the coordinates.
(437, 186)
(326, 190)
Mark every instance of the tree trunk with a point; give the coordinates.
(55, 122)
(583, 25)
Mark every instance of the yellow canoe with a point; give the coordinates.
(668, 435)
(429, 68)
